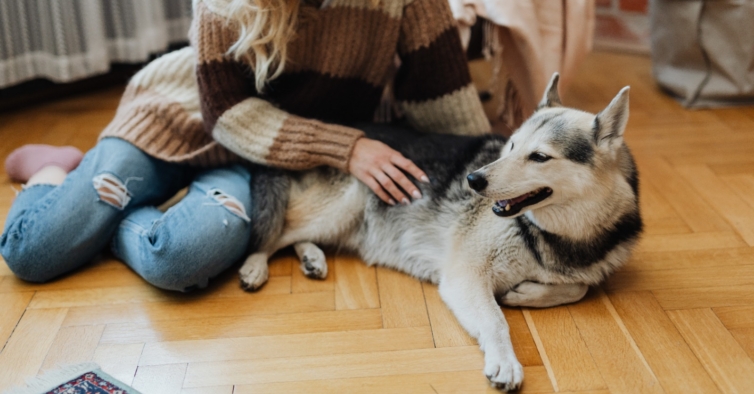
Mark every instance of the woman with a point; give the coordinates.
(269, 81)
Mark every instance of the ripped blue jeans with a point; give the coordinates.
(110, 199)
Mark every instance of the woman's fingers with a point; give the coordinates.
(382, 169)
(401, 179)
(388, 184)
(409, 166)
(377, 189)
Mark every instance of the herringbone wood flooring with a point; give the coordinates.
(678, 319)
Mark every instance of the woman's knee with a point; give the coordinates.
(184, 272)
(166, 276)
(28, 262)
(53, 230)
(181, 258)
(196, 239)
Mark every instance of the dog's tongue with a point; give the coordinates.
(513, 201)
(519, 199)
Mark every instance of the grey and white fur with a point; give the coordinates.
(532, 221)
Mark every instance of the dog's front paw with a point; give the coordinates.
(254, 273)
(313, 260)
(514, 297)
(504, 373)
(540, 295)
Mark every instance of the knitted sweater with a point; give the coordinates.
(199, 106)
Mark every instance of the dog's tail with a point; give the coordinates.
(270, 190)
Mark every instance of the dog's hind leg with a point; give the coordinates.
(313, 261)
(538, 295)
(254, 272)
(270, 191)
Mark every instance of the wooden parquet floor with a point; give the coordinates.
(678, 319)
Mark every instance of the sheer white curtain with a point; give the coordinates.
(65, 40)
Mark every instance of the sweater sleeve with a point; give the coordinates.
(251, 127)
(433, 86)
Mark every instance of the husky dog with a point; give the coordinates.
(537, 219)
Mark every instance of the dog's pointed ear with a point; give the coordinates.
(551, 97)
(610, 123)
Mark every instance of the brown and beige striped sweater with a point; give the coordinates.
(199, 106)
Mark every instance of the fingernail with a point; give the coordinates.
(425, 179)
(405, 201)
(416, 194)
(391, 202)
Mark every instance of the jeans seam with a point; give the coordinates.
(35, 186)
(132, 226)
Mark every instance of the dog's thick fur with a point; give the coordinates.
(581, 225)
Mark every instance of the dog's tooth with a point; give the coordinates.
(507, 207)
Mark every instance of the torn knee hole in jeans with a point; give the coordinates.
(112, 191)
(229, 202)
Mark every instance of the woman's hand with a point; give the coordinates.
(379, 167)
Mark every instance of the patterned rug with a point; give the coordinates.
(78, 379)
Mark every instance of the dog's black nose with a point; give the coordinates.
(477, 181)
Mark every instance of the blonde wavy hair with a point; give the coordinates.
(265, 27)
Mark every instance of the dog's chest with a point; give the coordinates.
(498, 246)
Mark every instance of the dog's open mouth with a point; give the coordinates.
(506, 208)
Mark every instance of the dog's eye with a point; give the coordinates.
(539, 157)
